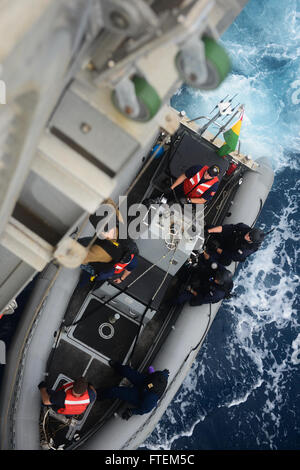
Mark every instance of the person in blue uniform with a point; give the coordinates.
(209, 255)
(143, 396)
(207, 286)
(236, 242)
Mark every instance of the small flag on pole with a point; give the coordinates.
(231, 138)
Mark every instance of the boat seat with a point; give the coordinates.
(144, 288)
(128, 305)
(188, 151)
(192, 150)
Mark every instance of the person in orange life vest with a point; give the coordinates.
(121, 269)
(72, 398)
(124, 268)
(102, 255)
(197, 185)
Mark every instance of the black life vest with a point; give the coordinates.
(236, 240)
(227, 288)
(240, 244)
(203, 281)
(156, 382)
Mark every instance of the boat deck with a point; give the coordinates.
(91, 339)
(84, 348)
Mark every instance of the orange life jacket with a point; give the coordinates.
(190, 184)
(74, 405)
(119, 267)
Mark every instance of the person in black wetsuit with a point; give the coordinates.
(236, 242)
(143, 396)
(208, 285)
(209, 255)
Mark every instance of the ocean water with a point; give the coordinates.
(243, 391)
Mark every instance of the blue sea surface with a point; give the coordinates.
(243, 391)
